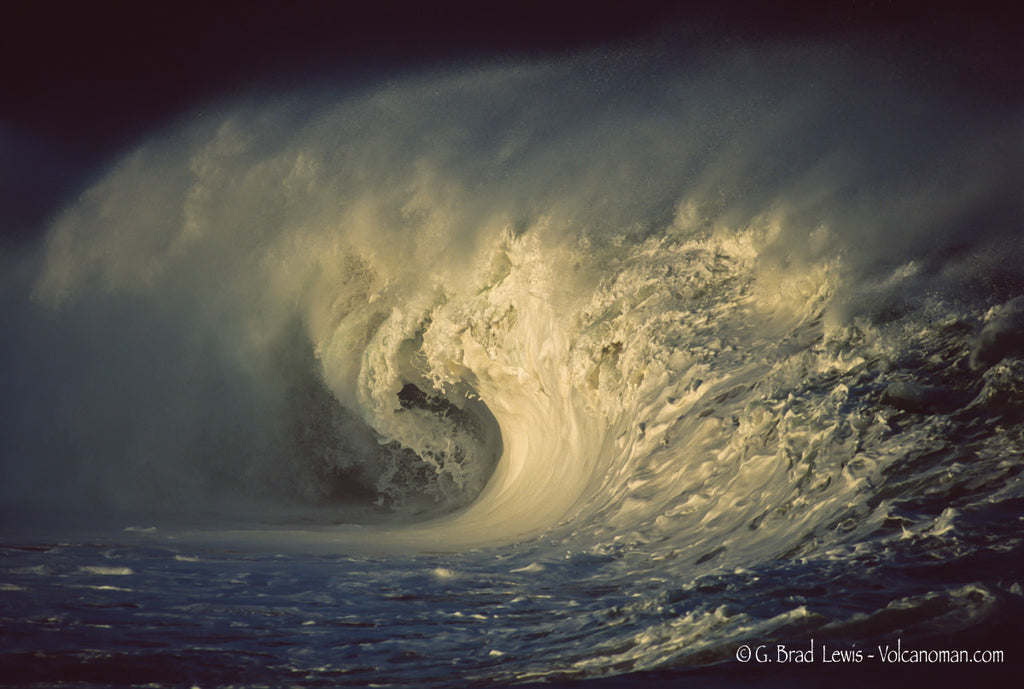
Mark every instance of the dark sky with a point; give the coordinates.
(82, 82)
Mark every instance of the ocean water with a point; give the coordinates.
(596, 370)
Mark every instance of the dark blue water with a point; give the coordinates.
(137, 614)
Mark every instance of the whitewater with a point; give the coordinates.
(542, 371)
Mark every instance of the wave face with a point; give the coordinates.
(746, 319)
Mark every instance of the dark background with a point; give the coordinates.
(81, 82)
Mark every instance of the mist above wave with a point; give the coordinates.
(367, 298)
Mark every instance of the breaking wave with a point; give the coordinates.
(734, 306)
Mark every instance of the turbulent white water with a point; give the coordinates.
(719, 312)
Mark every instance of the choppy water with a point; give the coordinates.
(533, 373)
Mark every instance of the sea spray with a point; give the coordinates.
(675, 352)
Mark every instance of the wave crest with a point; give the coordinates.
(510, 297)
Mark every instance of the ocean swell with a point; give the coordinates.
(539, 298)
